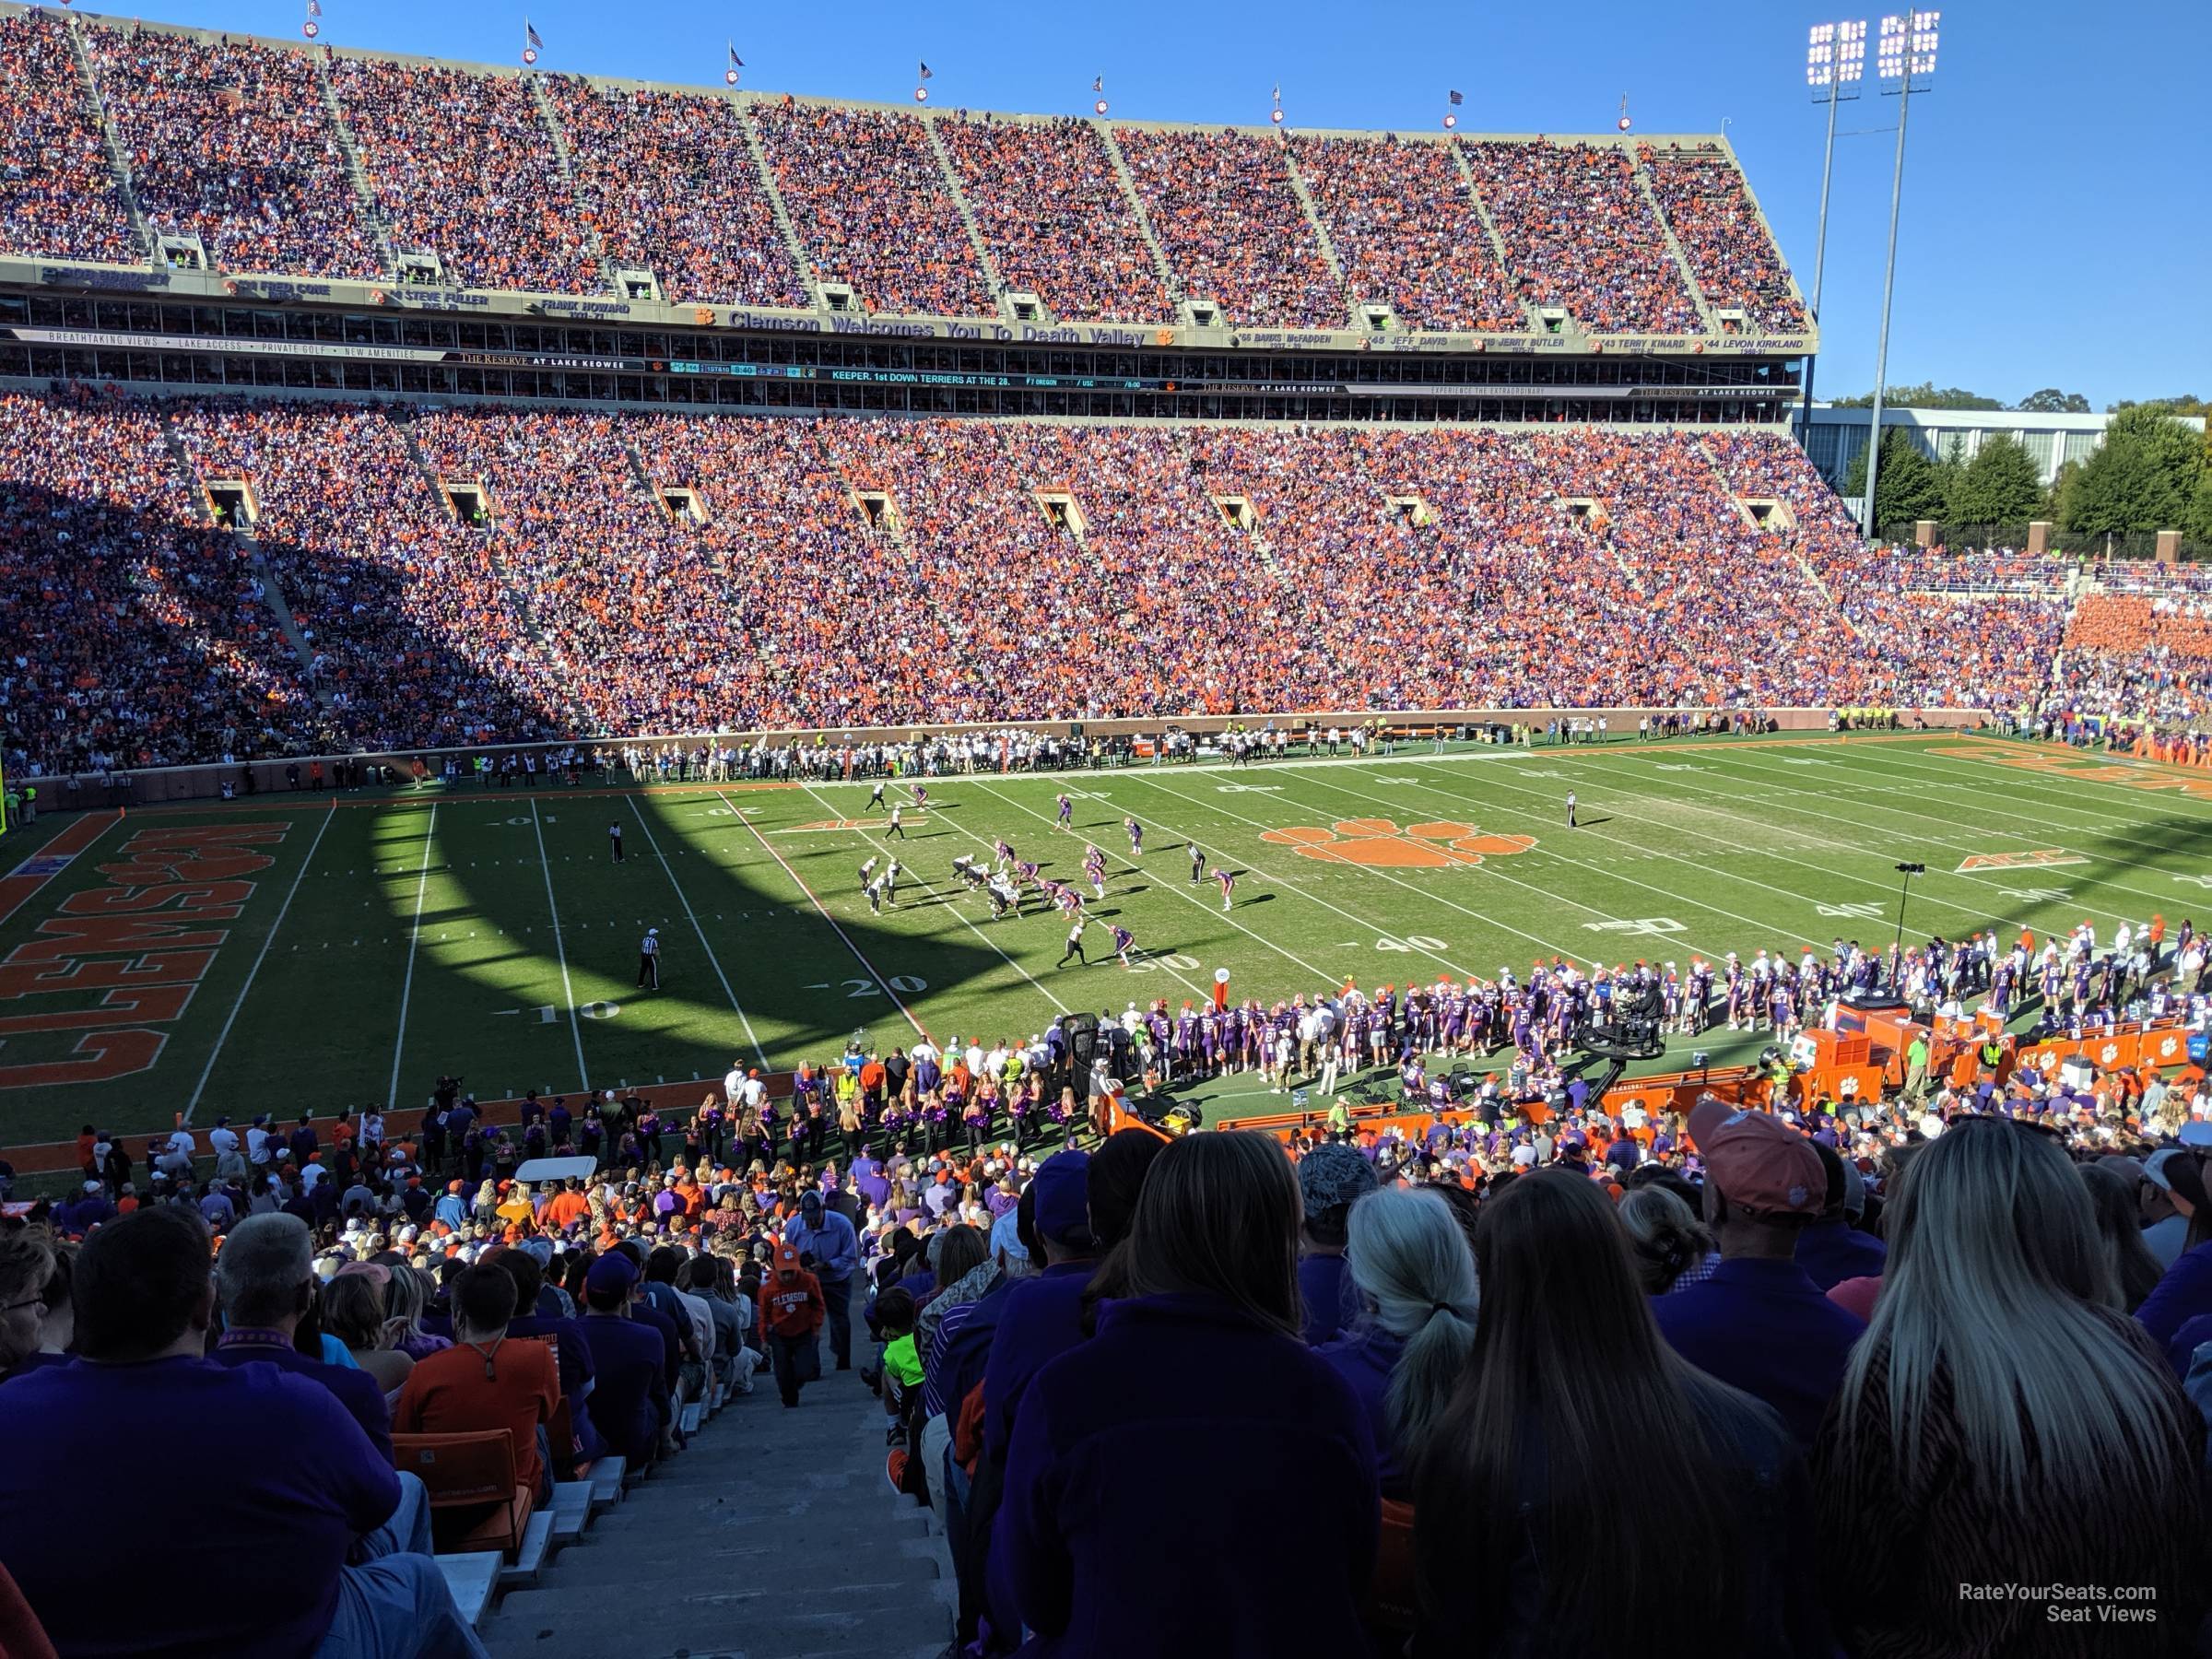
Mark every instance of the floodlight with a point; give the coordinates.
(1820, 56)
(1907, 45)
(1835, 54)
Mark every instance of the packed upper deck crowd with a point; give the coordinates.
(468, 575)
(548, 184)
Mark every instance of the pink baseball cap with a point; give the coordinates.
(1757, 1161)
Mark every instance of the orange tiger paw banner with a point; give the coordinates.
(1380, 843)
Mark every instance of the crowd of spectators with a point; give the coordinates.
(1232, 228)
(1580, 235)
(136, 635)
(59, 197)
(1808, 1319)
(873, 209)
(413, 636)
(1053, 215)
(232, 143)
(1403, 220)
(670, 184)
(2139, 658)
(1735, 262)
(463, 166)
(481, 574)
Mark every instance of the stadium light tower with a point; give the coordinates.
(1906, 55)
(1835, 62)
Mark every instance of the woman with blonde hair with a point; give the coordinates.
(2003, 1422)
(354, 1312)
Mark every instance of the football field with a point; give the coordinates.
(317, 952)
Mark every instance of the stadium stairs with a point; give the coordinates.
(775, 1535)
(1489, 228)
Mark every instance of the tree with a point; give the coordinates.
(2051, 401)
(2144, 476)
(2186, 404)
(1997, 486)
(1926, 395)
(2054, 498)
(1911, 486)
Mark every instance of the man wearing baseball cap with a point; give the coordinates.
(629, 1402)
(1044, 1315)
(1760, 1323)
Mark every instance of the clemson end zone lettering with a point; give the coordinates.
(120, 961)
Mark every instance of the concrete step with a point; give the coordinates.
(784, 1616)
(472, 1578)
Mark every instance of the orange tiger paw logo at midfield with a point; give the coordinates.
(1379, 844)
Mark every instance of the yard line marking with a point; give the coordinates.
(1058, 1006)
(1671, 794)
(1365, 921)
(1500, 873)
(713, 962)
(920, 1029)
(399, 1040)
(567, 989)
(1183, 891)
(17, 888)
(269, 938)
(1954, 842)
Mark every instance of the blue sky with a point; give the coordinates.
(2058, 224)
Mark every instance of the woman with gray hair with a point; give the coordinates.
(2003, 1422)
(1409, 1256)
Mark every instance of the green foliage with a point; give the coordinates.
(1911, 486)
(2186, 404)
(2051, 401)
(2146, 476)
(1926, 395)
(2054, 498)
(1999, 485)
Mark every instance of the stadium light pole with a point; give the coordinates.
(1907, 49)
(1835, 61)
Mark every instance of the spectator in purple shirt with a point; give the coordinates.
(1410, 1259)
(143, 1304)
(1760, 1323)
(1330, 1178)
(267, 1281)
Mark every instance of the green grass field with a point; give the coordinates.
(297, 953)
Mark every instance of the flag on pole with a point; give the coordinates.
(1456, 99)
(532, 45)
(1098, 84)
(925, 72)
(1278, 91)
(735, 62)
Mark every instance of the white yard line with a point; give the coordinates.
(1059, 1007)
(407, 988)
(231, 1018)
(858, 956)
(568, 990)
(1428, 896)
(1332, 980)
(712, 960)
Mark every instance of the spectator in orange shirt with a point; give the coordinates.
(485, 1380)
(567, 1206)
